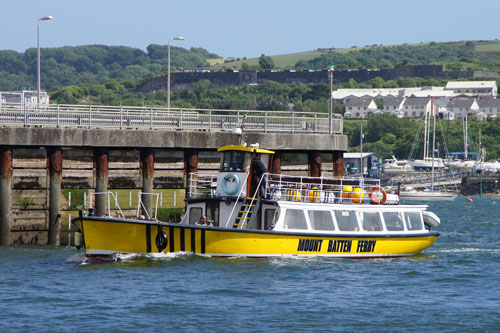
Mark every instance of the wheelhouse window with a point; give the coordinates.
(414, 221)
(194, 215)
(371, 221)
(393, 221)
(346, 220)
(295, 219)
(235, 160)
(321, 220)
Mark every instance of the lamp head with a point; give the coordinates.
(45, 18)
(178, 38)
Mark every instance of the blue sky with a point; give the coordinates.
(248, 28)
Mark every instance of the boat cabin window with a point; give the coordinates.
(371, 221)
(194, 215)
(413, 221)
(393, 221)
(270, 218)
(346, 220)
(235, 160)
(213, 212)
(321, 220)
(295, 219)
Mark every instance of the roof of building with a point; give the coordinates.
(488, 103)
(470, 84)
(358, 102)
(461, 103)
(393, 101)
(417, 101)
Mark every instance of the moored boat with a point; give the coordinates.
(241, 211)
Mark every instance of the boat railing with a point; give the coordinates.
(140, 205)
(202, 185)
(108, 195)
(322, 190)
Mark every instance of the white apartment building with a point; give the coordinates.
(473, 88)
(24, 97)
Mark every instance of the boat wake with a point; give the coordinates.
(469, 249)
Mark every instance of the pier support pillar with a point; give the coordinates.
(338, 163)
(190, 165)
(314, 164)
(101, 158)
(276, 166)
(147, 167)
(5, 194)
(54, 161)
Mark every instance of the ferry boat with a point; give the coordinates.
(234, 213)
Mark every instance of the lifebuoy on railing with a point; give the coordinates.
(374, 194)
(230, 178)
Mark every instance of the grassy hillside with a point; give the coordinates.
(483, 55)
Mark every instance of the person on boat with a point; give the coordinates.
(203, 220)
(259, 169)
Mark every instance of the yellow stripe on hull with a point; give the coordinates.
(104, 236)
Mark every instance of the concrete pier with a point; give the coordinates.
(54, 161)
(35, 173)
(314, 164)
(147, 166)
(101, 158)
(5, 194)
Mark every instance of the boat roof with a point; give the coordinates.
(252, 149)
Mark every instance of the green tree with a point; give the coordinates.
(266, 62)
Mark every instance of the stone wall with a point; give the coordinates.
(184, 80)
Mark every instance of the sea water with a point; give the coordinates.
(452, 286)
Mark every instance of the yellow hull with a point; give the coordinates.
(105, 236)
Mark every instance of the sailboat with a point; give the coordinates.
(431, 194)
(427, 163)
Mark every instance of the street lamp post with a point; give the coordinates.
(45, 18)
(330, 104)
(168, 82)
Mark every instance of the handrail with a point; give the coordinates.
(158, 117)
(238, 198)
(140, 204)
(108, 201)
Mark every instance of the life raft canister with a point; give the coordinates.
(374, 194)
(294, 195)
(358, 195)
(314, 195)
(346, 192)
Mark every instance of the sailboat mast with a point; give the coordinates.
(433, 141)
(465, 137)
(425, 135)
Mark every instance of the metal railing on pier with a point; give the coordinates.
(157, 117)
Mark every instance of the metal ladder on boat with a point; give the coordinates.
(245, 215)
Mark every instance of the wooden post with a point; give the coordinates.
(5, 194)
(338, 163)
(54, 162)
(101, 157)
(190, 165)
(314, 164)
(147, 167)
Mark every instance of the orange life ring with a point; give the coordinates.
(379, 189)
